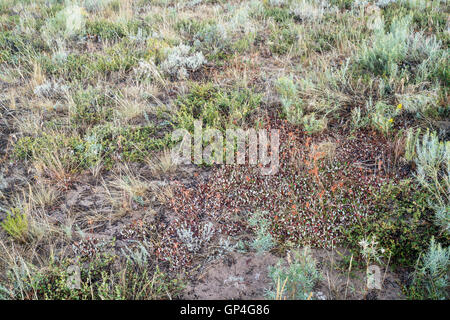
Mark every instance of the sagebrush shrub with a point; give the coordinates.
(218, 109)
(381, 55)
(442, 217)
(412, 136)
(213, 39)
(418, 102)
(401, 49)
(264, 240)
(66, 23)
(433, 166)
(431, 275)
(309, 10)
(50, 89)
(433, 173)
(290, 102)
(180, 61)
(297, 280)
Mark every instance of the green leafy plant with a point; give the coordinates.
(403, 225)
(264, 240)
(217, 108)
(16, 225)
(295, 281)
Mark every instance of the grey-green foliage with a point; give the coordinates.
(426, 53)
(412, 136)
(5, 293)
(66, 23)
(314, 124)
(431, 275)
(50, 89)
(139, 255)
(382, 54)
(296, 280)
(418, 102)
(433, 166)
(264, 241)
(442, 217)
(290, 102)
(292, 105)
(310, 10)
(180, 60)
(433, 173)
(212, 39)
(401, 46)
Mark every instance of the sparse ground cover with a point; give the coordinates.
(93, 207)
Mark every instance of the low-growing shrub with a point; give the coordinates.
(313, 124)
(290, 101)
(403, 225)
(217, 108)
(263, 241)
(16, 224)
(214, 41)
(92, 106)
(431, 275)
(433, 166)
(66, 23)
(102, 143)
(106, 30)
(387, 50)
(307, 10)
(180, 61)
(283, 39)
(297, 280)
(120, 57)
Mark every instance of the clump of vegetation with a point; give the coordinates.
(290, 102)
(92, 279)
(355, 92)
(400, 51)
(431, 275)
(292, 107)
(382, 117)
(92, 106)
(213, 40)
(102, 143)
(283, 39)
(297, 280)
(264, 241)
(180, 60)
(404, 224)
(16, 224)
(66, 23)
(217, 108)
(433, 166)
(433, 173)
